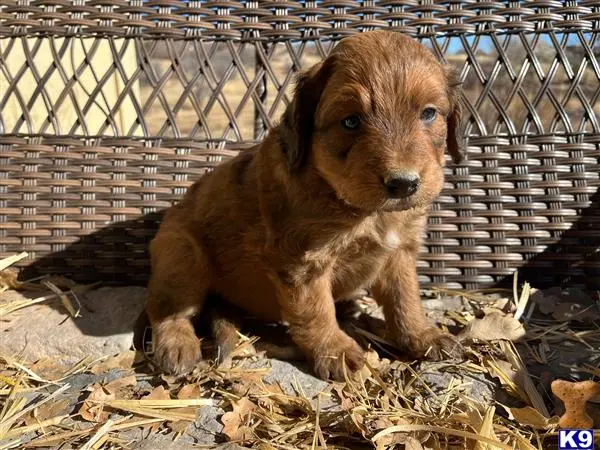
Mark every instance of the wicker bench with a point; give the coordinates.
(110, 108)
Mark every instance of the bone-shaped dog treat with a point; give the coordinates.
(575, 395)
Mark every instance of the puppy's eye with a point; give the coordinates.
(351, 123)
(428, 114)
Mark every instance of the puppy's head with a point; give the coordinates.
(375, 119)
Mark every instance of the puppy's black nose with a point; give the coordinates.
(402, 184)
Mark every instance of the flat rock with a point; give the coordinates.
(207, 426)
(46, 330)
(443, 304)
(294, 377)
(204, 432)
(477, 386)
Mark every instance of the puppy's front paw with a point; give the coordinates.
(329, 361)
(435, 345)
(177, 350)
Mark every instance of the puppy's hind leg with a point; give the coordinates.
(179, 281)
(225, 324)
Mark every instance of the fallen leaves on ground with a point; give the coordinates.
(565, 312)
(236, 423)
(49, 369)
(189, 391)
(48, 411)
(547, 300)
(493, 326)
(93, 408)
(530, 417)
(9, 280)
(158, 393)
(179, 426)
(124, 361)
(566, 306)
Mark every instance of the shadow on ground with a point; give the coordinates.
(115, 256)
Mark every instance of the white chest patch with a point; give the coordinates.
(391, 240)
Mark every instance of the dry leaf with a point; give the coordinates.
(92, 411)
(373, 359)
(123, 360)
(412, 443)
(180, 426)
(48, 411)
(244, 433)
(115, 386)
(244, 377)
(566, 312)
(49, 369)
(504, 304)
(358, 419)
(380, 423)
(265, 446)
(236, 426)
(243, 388)
(528, 416)
(158, 393)
(495, 326)
(273, 389)
(393, 439)
(345, 402)
(545, 301)
(274, 402)
(189, 391)
(9, 280)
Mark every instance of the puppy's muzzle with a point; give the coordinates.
(402, 184)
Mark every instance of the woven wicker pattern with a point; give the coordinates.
(282, 19)
(109, 109)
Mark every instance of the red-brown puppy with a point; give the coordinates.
(333, 200)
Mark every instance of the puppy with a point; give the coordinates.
(334, 200)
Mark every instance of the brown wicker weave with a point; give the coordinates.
(84, 174)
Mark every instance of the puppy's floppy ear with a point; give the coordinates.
(298, 122)
(454, 140)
